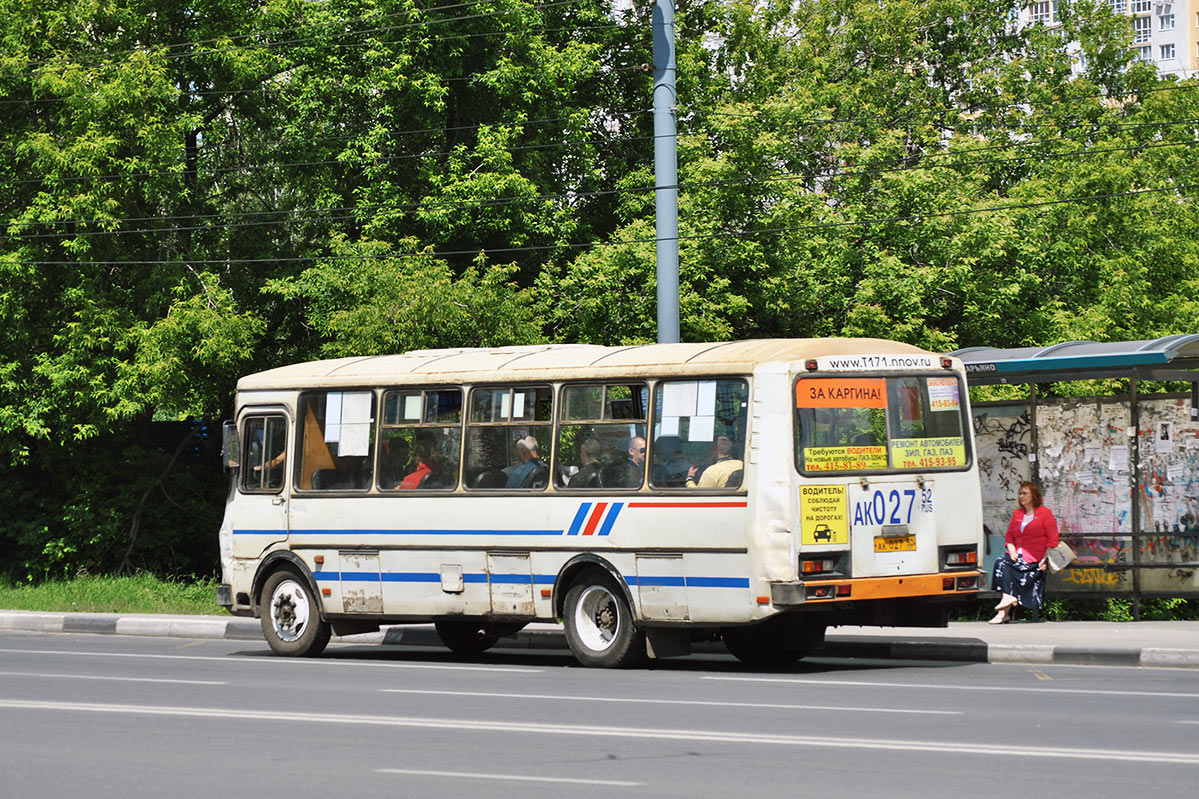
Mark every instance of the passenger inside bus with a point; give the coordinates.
(422, 475)
(394, 464)
(588, 475)
(634, 465)
(725, 470)
(532, 472)
(670, 464)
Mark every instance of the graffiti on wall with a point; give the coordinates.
(1086, 451)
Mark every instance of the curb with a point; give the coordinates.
(962, 651)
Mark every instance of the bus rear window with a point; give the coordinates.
(864, 424)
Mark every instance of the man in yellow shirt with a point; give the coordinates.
(723, 466)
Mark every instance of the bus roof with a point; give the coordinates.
(558, 361)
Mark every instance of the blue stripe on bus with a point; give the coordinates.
(689, 582)
(577, 524)
(524, 579)
(260, 532)
(610, 519)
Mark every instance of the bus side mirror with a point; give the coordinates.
(230, 446)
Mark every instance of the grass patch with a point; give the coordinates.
(141, 593)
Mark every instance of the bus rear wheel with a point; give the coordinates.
(466, 636)
(291, 618)
(773, 642)
(599, 624)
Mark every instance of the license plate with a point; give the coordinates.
(902, 543)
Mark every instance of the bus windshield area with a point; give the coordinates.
(865, 424)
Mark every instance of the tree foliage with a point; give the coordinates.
(192, 192)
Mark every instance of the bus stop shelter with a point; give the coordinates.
(1139, 541)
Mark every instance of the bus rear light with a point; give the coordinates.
(820, 591)
(844, 590)
(960, 558)
(948, 584)
(946, 363)
(818, 565)
(968, 583)
(810, 364)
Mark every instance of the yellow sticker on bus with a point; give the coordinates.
(844, 459)
(928, 453)
(824, 515)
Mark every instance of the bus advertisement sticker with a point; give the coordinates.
(824, 517)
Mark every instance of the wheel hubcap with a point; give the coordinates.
(289, 610)
(597, 618)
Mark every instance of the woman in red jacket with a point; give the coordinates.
(1020, 574)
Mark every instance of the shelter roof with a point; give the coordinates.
(1169, 358)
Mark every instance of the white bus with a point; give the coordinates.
(645, 496)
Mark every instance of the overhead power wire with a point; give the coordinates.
(359, 212)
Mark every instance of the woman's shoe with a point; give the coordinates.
(1007, 601)
(999, 618)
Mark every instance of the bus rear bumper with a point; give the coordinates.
(908, 586)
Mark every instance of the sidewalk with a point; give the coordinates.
(1172, 644)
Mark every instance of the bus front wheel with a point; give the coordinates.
(291, 619)
(599, 624)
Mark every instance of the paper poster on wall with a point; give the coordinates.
(1165, 438)
(1092, 453)
(1118, 458)
(1193, 443)
(1175, 472)
(678, 399)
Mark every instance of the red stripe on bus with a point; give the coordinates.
(689, 504)
(596, 514)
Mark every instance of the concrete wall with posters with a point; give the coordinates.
(1084, 455)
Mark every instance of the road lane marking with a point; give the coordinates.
(945, 687)
(987, 749)
(306, 662)
(512, 777)
(112, 679)
(762, 705)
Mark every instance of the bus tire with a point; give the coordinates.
(766, 644)
(599, 624)
(466, 636)
(291, 617)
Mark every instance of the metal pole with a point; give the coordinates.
(1134, 433)
(666, 192)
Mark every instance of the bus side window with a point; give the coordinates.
(337, 432)
(264, 455)
(601, 436)
(508, 438)
(421, 440)
(699, 426)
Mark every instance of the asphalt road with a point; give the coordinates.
(101, 716)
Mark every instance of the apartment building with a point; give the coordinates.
(1165, 32)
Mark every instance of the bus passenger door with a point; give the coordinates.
(511, 580)
(261, 499)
